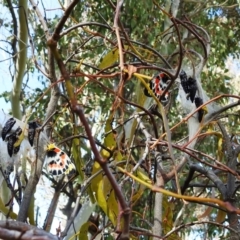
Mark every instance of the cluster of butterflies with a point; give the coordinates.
(160, 82)
(15, 137)
(58, 162)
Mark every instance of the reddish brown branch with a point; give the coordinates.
(52, 43)
(17, 230)
(116, 27)
(104, 165)
(60, 25)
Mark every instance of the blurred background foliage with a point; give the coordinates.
(149, 39)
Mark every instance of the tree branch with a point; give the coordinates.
(15, 33)
(21, 59)
(10, 230)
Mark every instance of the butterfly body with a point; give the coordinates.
(58, 162)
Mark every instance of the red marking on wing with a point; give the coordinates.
(162, 75)
(57, 150)
(55, 166)
(63, 159)
(157, 86)
(157, 81)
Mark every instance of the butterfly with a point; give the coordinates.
(32, 126)
(198, 103)
(189, 85)
(58, 162)
(8, 127)
(12, 139)
(158, 84)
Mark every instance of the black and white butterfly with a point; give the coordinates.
(189, 85)
(8, 127)
(32, 126)
(11, 140)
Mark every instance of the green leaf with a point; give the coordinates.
(109, 59)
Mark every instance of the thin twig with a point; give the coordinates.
(116, 28)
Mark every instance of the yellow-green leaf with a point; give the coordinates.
(101, 187)
(109, 59)
(143, 176)
(83, 231)
(221, 216)
(6, 211)
(220, 149)
(109, 141)
(168, 218)
(76, 151)
(138, 194)
(112, 207)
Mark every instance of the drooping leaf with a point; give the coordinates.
(109, 59)
(220, 149)
(167, 220)
(109, 140)
(6, 211)
(76, 151)
(83, 232)
(101, 188)
(139, 192)
(221, 215)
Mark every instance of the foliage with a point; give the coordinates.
(93, 60)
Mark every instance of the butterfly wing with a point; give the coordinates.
(157, 84)
(12, 140)
(192, 86)
(32, 126)
(58, 162)
(184, 81)
(146, 91)
(7, 127)
(198, 103)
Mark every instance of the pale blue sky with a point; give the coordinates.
(52, 8)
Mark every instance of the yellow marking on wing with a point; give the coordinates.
(50, 146)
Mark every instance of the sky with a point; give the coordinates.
(52, 9)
